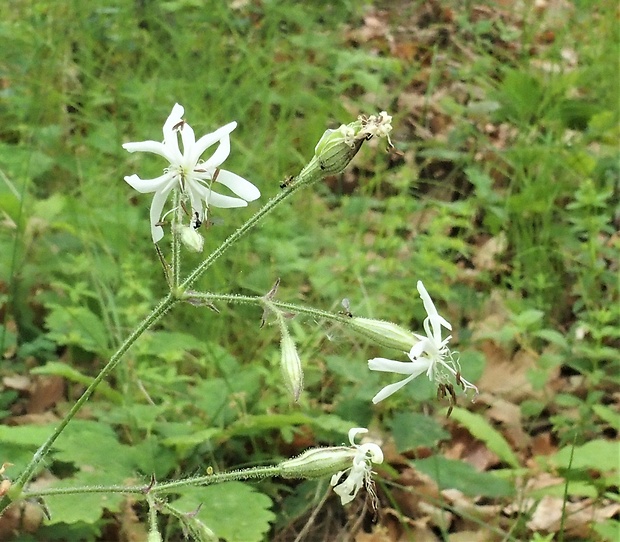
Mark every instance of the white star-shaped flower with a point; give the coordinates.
(430, 355)
(188, 173)
(361, 471)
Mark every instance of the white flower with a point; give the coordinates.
(186, 172)
(360, 472)
(431, 355)
(377, 125)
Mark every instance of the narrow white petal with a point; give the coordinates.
(444, 322)
(390, 389)
(373, 451)
(189, 141)
(156, 147)
(157, 205)
(240, 186)
(196, 197)
(225, 202)
(354, 432)
(146, 186)
(436, 321)
(418, 348)
(171, 139)
(175, 117)
(398, 367)
(207, 140)
(220, 154)
(169, 152)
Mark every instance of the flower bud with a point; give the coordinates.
(318, 462)
(384, 333)
(291, 366)
(199, 531)
(333, 138)
(336, 148)
(191, 238)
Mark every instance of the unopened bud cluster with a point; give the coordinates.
(336, 148)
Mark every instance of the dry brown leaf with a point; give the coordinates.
(542, 444)
(481, 535)
(32, 419)
(484, 257)
(505, 377)
(509, 415)
(467, 448)
(17, 382)
(379, 534)
(404, 529)
(46, 392)
(579, 516)
(132, 529)
(470, 514)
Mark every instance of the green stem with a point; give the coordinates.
(176, 240)
(167, 487)
(271, 303)
(26, 475)
(309, 175)
(153, 529)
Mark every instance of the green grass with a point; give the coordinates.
(509, 141)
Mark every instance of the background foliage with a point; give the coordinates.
(501, 195)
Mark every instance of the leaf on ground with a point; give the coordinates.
(575, 519)
(600, 455)
(452, 474)
(235, 511)
(411, 430)
(482, 430)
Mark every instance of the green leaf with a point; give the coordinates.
(600, 455)
(59, 368)
(82, 507)
(452, 474)
(259, 423)
(170, 346)
(77, 326)
(94, 446)
(101, 460)
(552, 336)
(25, 435)
(482, 430)
(192, 438)
(527, 318)
(575, 487)
(235, 511)
(411, 430)
(608, 415)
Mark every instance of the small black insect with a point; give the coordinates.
(287, 182)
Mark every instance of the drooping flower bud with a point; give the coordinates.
(291, 366)
(191, 238)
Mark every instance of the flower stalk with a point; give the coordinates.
(17, 487)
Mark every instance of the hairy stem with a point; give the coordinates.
(17, 487)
